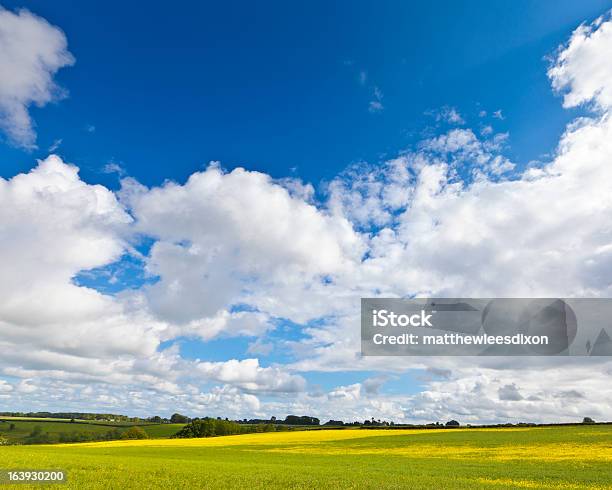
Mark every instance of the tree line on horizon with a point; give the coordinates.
(211, 427)
(102, 417)
(290, 420)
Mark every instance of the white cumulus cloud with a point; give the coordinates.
(583, 70)
(31, 52)
(236, 251)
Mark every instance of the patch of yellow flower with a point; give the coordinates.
(265, 438)
(535, 452)
(506, 482)
(314, 442)
(291, 438)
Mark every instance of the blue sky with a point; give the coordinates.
(235, 292)
(276, 88)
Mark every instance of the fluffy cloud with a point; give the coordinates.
(58, 395)
(59, 225)
(371, 196)
(53, 328)
(462, 149)
(509, 392)
(348, 394)
(223, 323)
(581, 69)
(373, 385)
(249, 375)
(237, 253)
(542, 232)
(31, 52)
(224, 238)
(517, 395)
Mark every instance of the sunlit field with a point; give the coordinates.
(17, 429)
(576, 457)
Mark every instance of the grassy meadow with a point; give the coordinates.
(23, 427)
(574, 457)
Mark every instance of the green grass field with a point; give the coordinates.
(576, 457)
(115, 423)
(24, 426)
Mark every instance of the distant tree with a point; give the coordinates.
(303, 420)
(452, 423)
(208, 427)
(588, 420)
(177, 418)
(135, 433)
(155, 419)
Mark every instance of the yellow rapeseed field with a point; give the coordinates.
(568, 458)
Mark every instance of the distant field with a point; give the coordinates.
(577, 457)
(24, 426)
(162, 430)
(7, 417)
(118, 423)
